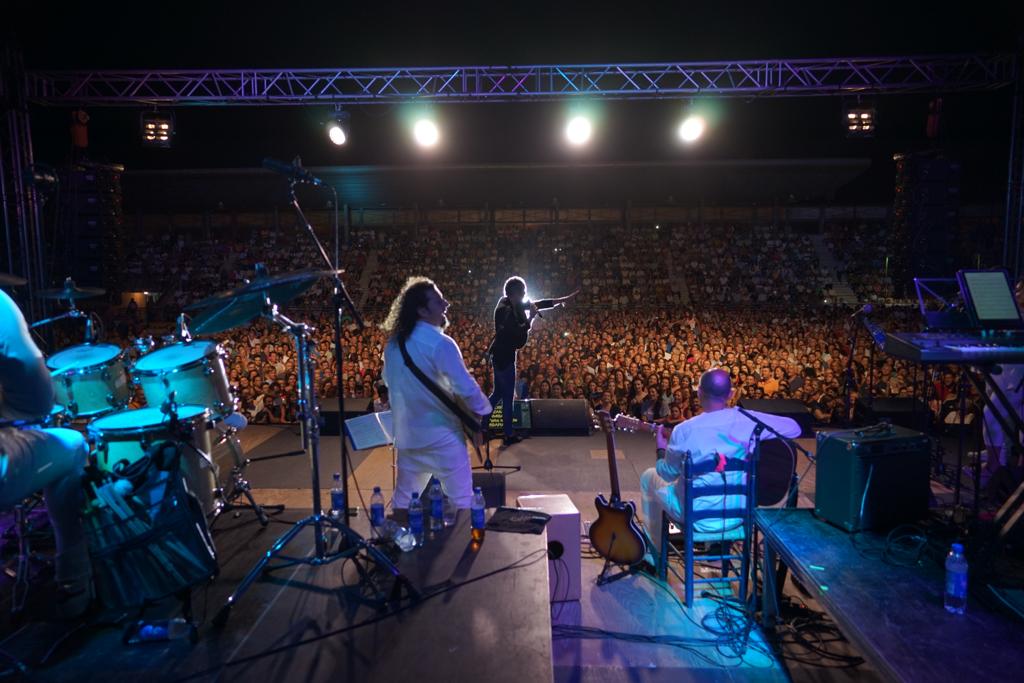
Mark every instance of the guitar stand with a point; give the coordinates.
(624, 571)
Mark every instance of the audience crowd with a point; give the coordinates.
(635, 340)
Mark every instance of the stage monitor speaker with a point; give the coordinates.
(560, 417)
(785, 407)
(871, 479)
(354, 407)
(520, 417)
(905, 412)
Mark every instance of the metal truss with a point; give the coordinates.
(766, 78)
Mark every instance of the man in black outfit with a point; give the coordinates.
(511, 331)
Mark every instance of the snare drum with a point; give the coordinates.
(193, 370)
(123, 438)
(90, 379)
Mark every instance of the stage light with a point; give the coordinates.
(578, 130)
(691, 128)
(426, 133)
(860, 122)
(338, 128)
(157, 129)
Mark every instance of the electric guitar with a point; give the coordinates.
(615, 534)
(776, 463)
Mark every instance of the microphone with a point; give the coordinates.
(877, 333)
(863, 310)
(89, 337)
(294, 171)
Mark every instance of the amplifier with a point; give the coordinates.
(560, 417)
(867, 479)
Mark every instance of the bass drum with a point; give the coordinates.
(122, 439)
(90, 379)
(194, 371)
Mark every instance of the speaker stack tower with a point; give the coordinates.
(925, 216)
(89, 246)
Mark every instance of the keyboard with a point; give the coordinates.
(1005, 346)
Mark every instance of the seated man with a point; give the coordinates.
(50, 460)
(718, 429)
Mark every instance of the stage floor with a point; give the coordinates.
(289, 607)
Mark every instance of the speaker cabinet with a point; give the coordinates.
(905, 412)
(785, 407)
(560, 417)
(870, 479)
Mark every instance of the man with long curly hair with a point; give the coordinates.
(428, 435)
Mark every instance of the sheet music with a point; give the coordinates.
(371, 430)
(992, 296)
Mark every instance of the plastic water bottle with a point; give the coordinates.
(956, 580)
(476, 514)
(165, 629)
(436, 505)
(416, 518)
(377, 508)
(337, 498)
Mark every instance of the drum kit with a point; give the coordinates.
(189, 398)
(184, 382)
(188, 401)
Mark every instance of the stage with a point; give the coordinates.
(293, 625)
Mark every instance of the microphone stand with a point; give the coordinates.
(848, 375)
(794, 488)
(351, 544)
(339, 298)
(763, 426)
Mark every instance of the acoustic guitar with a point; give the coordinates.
(615, 534)
(776, 464)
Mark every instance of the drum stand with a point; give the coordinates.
(354, 546)
(239, 487)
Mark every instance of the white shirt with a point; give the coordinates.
(725, 431)
(420, 419)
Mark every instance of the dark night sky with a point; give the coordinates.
(352, 35)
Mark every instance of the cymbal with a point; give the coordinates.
(8, 280)
(70, 292)
(238, 306)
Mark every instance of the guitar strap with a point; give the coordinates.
(470, 424)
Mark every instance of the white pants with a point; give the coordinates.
(449, 463)
(657, 496)
(660, 496)
(49, 460)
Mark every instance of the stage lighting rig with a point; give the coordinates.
(338, 128)
(692, 128)
(578, 131)
(426, 133)
(859, 121)
(157, 129)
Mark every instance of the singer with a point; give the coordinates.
(511, 332)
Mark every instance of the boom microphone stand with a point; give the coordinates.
(351, 544)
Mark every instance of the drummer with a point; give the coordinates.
(34, 459)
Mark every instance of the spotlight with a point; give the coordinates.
(338, 128)
(157, 129)
(426, 133)
(692, 128)
(860, 122)
(578, 130)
